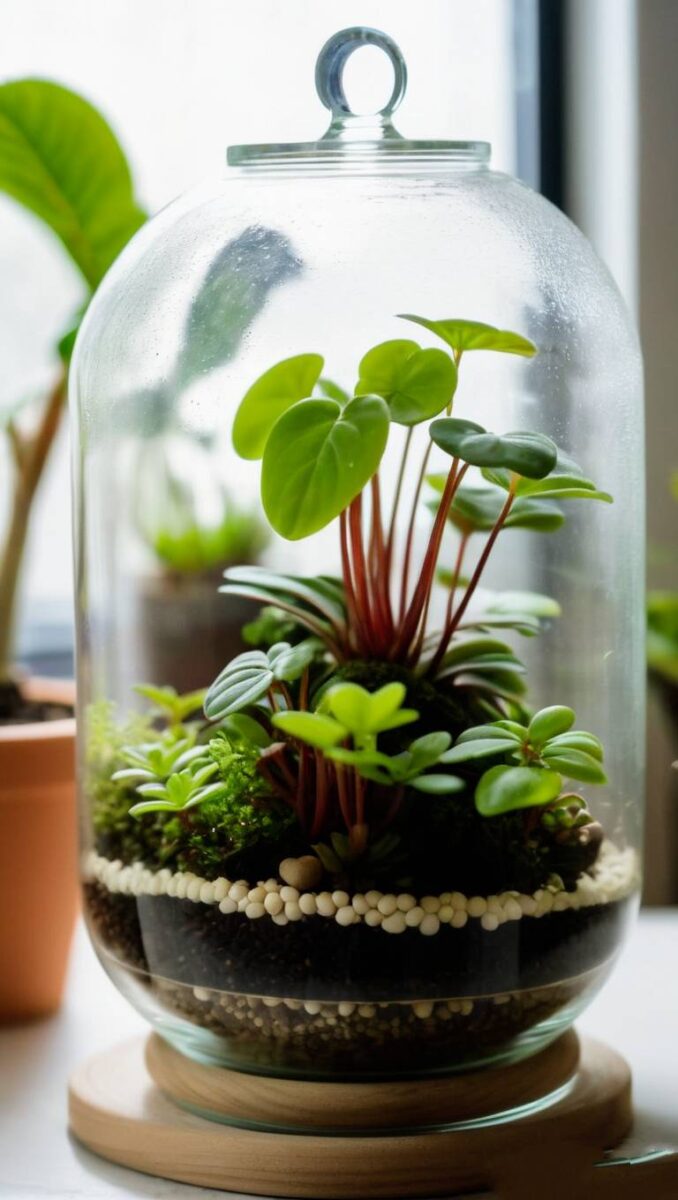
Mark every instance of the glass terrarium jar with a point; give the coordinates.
(380, 842)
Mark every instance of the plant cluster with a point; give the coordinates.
(351, 710)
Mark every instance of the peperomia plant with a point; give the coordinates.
(345, 713)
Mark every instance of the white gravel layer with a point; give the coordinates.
(615, 876)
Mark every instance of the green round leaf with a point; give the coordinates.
(525, 453)
(503, 789)
(482, 748)
(437, 784)
(575, 764)
(318, 458)
(474, 335)
(416, 384)
(549, 722)
(577, 739)
(60, 159)
(271, 395)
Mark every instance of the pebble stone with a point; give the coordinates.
(616, 876)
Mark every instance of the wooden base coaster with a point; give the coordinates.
(340, 1149)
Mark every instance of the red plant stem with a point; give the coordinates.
(410, 533)
(364, 613)
(359, 799)
(303, 690)
(396, 500)
(344, 802)
(480, 567)
(286, 693)
(444, 639)
(422, 591)
(378, 567)
(349, 586)
(320, 810)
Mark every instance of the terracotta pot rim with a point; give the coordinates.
(60, 691)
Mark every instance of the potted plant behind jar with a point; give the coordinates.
(59, 160)
(195, 530)
(367, 797)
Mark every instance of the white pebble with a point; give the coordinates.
(445, 914)
(242, 904)
(271, 1001)
(257, 895)
(307, 904)
(201, 993)
(193, 892)
(346, 1008)
(429, 925)
(387, 905)
(238, 891)
(466, 1008)
(373, 898)
(528, 905)
(423, 1008)
(272, 885)
(476, 906)
(312, 1007)
(494, 905)
(293, 911)
(360, 904)
(512, 909)
(221, 887)
(273, 903)
(279, 919)
(227, 905)
(458, 900)
(289, 893)
(345, 915)
(459, 918)
(341, 899)
(489, 921)
(207, 893)
(366, 1010)
(373, 917)
(430, 904)
(406, 902)
(325, 904)
(254, 910)
(394, 923)
(414, 917)
(182, 888)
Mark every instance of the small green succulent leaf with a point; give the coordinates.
(246, 679)
(578, 740)
(269, 397)
(318, 457)
(464, 335)
(366, 713)
(242, 728)
(322, 593)
(504, 789)
(499, 729)
(150, 806)
(437, 784)
(428, 749)
(525, 453)
(167, 700)
(416, 384)
(575, 764)
(472, 750)
(316, 729)
(549, 722)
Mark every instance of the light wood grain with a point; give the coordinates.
(118, 1112)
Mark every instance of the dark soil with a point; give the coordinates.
(16, 710)
(318, 959)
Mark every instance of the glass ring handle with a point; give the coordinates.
(329, 83)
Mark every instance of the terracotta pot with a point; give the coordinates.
(38, 857)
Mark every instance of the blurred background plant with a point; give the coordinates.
(662, 638)
(60, 160)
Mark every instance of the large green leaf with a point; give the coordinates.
(318, 458)
(525, 453)
(565, 481)
(243, 681)
(416, 384)
(549, 722)
(503, 789)
(269, 397)
(474, 335)
(575, 764)
(60, 160)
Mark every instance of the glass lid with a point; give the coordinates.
(351, 136)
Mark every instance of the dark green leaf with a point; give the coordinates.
(504, 789)
(272, 394)
(320, 594)
(244, 681)
(474, 335)
(482, 748)
(531, 454)
(318, 458)
(416, 384)
(437, 784)
(577, 739)
(290, 662)
(60, 160)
